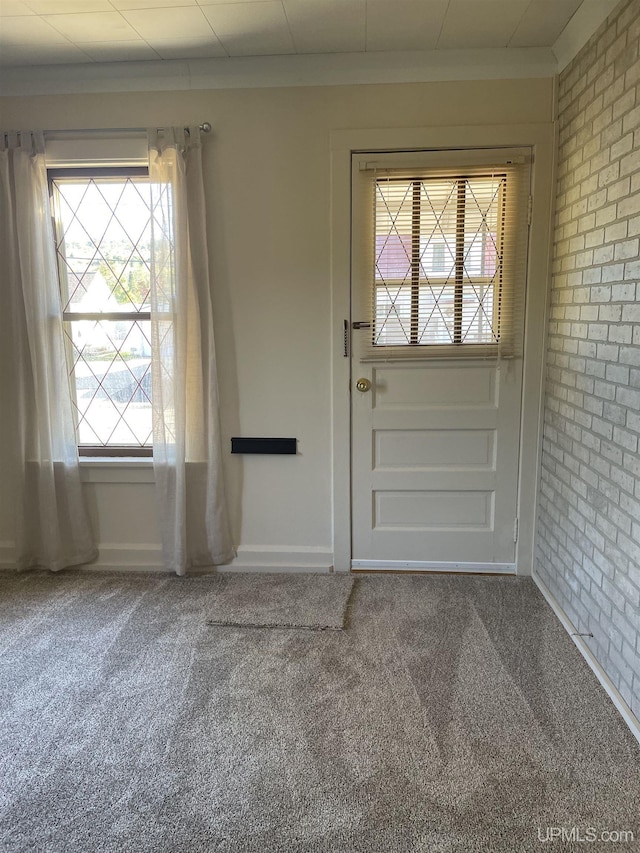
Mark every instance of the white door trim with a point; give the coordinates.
(541, 137)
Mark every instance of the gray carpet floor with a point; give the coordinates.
(314, 601)
(452, 715)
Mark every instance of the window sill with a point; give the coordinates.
(116, 469)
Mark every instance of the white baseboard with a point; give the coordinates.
(431, 566)
(612, 691)
(148, 558)
(127, 558)
(281, 559)
(111, 558)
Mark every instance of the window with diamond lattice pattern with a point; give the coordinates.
(438, 260)
(103, 238)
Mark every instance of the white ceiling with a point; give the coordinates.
(48, 32)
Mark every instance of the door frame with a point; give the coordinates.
(343, 143)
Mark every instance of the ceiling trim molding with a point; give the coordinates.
(280, 71)
(589, 16)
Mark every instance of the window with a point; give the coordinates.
(103, 241)
(448, 257)
(438, 260)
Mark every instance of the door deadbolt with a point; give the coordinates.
(363, 385)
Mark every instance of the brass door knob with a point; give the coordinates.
(363, 384)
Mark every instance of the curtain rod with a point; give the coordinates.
(205, 127)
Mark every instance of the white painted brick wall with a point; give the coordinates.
(588, 542)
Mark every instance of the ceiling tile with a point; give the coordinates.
(543, 22)
(328, 26)
(186, 22)
(14, 7)
(27, 29)
(93, 26)
(189, 49)
(257, 28)
(126, 5)
(472, 24)
(74, 7)
(49, 54)
(125, 30)
(118, 51)
(404, 24)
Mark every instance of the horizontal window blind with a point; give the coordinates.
(446, 258)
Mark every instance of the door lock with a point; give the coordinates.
(363, 385)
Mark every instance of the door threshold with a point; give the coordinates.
(425, 566)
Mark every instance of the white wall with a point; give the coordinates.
(267, 170)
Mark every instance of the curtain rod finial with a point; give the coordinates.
(205, 127)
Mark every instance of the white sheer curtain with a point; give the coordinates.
(41, 464)
(186, 434)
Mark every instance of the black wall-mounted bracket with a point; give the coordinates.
(264, 445)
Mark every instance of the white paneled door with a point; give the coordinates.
(435, 440)
(435, 460)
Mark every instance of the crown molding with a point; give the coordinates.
(589, 16)
(280, 71)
